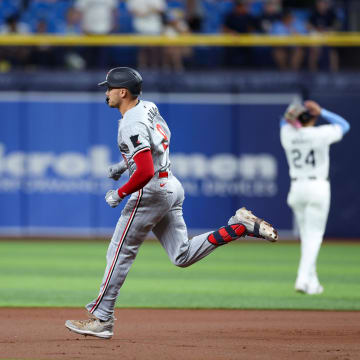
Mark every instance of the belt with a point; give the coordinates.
(163, 174)
(309, 178)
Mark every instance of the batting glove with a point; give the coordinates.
(112, 198)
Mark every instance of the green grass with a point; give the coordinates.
(255, 275)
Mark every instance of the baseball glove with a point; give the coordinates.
(292, 113)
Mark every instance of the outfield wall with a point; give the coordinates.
(55, 149)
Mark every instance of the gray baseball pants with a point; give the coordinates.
(156, 207)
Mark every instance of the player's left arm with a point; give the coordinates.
(336, 120)
(316, 110)
(142, 175)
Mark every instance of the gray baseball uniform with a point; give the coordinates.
(156, 207)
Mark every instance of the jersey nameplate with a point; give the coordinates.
(152, 113)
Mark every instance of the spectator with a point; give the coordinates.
(239, 21)
(14, 26)
(323, 19)
(148, 20)
(271, 14)
(45, 55)
(293, 56)
(194, 14)
(175, 24)
(72, 26)
(14, 56)
(98, 17)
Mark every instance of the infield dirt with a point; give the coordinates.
(39, 333)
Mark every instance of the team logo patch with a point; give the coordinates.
(135, 140)
(124, 148)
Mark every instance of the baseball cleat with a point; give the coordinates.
(305, 289)
(92, 327)
(255, 226)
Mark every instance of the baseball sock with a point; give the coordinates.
(226, 234)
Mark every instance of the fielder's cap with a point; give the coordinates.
(124, 77)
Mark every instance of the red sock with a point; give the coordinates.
(227, 234)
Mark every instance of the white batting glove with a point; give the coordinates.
(112, 198)
(115, 170)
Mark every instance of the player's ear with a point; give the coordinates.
(123, 92)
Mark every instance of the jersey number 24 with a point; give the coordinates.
(298, 157)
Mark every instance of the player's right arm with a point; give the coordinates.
(116, 170)
(291, 115)
(282, 122)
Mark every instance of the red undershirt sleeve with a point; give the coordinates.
(142, 175)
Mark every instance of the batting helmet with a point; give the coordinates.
(124, 77)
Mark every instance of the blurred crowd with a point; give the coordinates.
(171, 18)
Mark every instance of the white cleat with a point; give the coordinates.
(255, 226)
(309, 290)
(92, 327)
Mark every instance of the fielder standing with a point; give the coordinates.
(154, 204)
(307, 152)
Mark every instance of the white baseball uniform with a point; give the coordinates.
(307, 153)
(157, 207)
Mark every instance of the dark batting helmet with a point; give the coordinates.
(124, 77)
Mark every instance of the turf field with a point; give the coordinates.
(246, 275)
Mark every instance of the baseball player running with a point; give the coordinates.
(307, 153)
(154, 203)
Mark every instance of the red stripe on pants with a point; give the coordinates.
(123, 236)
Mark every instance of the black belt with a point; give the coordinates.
(309, 178)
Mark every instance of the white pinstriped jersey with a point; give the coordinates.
(307, 149)
(141, 128)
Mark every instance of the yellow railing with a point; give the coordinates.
(334, 39)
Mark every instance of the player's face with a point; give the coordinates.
(113, 97)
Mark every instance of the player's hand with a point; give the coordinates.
(112, 198)
(293, 111)
(113, 173)
(313, 107)
(115, 170)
